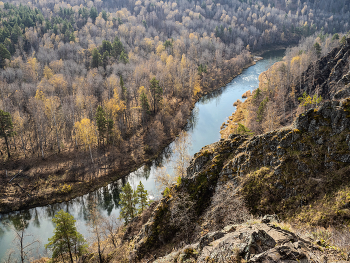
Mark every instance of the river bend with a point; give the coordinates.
(203, 126)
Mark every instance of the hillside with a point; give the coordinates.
(97, 88)
(300, 173)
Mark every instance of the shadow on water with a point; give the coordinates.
(107, 203)
(36, 220)
(192, 120)
(159, 160)
(212, 95)
(2, 231)
(279, 53)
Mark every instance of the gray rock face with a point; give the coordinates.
(270, 149)
(253, 243)
(328, 74)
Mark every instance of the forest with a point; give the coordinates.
(90, 87)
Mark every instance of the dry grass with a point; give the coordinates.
(226, 208)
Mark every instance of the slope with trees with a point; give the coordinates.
(299, 82)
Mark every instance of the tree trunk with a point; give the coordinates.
(57, 137)
(7, 146)
(21, 241)
(23, 146)
(99, 247)
(92, 160)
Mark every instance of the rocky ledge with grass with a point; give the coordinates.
(253, 242)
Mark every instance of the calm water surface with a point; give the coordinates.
(204, 126)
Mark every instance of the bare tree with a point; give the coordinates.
(181, 153)
(23, 246)
(95, 223)
(110, 227)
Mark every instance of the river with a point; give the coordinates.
(203, 127)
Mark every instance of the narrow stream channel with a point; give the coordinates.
(203, 127)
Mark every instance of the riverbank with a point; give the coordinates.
(29, 191)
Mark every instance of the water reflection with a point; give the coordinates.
(2, 232)
(36, 220)
(212, 95)
(203, 126)
(161, 159)
(192, 120)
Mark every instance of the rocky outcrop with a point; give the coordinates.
(253, 243)
(278, 172)
(328, 75)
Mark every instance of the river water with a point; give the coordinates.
(203, 127)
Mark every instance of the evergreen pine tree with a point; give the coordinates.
(15, 34)
(124, 91)
(96, 58)
(343, 40)
(105, 59)
(6, 128)
(4, 54)
(141, 195)
(157, 93)
(128, 202)
(117, 48)
(144, 101)
(123, 57)
(104, 15)
(318, 49)
(101, 123)
(93, 14)
(66, 240)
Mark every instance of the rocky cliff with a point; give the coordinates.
(300, 172)
(329, 76)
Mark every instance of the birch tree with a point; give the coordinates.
(86, 133)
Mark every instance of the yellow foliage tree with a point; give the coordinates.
(51, 106)
(197, 86)
(48, 72)
(78, 84)
(32, 68)
(112, 83)
(183, 62)
(169, 62)
(39, 95)
(160, 49)
(59, 83)
(295, 60)
(86, 133)
(115, 106)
